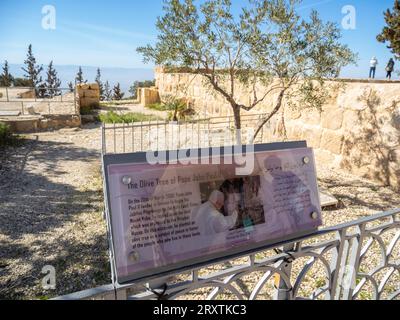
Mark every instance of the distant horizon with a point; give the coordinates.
(107, 34)
(67, 73)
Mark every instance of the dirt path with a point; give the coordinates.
(51, 204)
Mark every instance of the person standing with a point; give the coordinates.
(389, 69)
(372, 70)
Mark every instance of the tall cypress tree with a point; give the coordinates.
(53, 83)
(107, 92)
(100, 84)
(391, 33)
(118, 94)
(32, 70)
(6, 79)
(79, 77)
(71, 87)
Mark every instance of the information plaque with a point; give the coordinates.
(176, 216)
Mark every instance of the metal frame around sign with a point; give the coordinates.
(136, 158)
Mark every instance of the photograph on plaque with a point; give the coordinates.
(169, 216)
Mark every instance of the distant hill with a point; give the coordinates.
(125, 76)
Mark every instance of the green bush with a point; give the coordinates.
(6, 136)
(113, 117)
(1, 95)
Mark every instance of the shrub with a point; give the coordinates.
(113, 117)
(1, 95)
(6, 136)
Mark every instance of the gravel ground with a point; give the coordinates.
(51, 214)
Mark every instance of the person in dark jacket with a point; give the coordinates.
(389, 69)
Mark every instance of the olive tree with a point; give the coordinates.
(268, 48)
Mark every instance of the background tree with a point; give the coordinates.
(140, 84)
(107, 92)
(79, 77)
(268, 44)
(53, 83)
(22, 82)
(32, 70)
(100, 84)
(71, 87)
(117, 93)
(6, 79)
(391, 33)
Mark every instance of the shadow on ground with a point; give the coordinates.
(46, 221)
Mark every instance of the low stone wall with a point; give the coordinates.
(29, 94)
(42, 123)
(357, 130)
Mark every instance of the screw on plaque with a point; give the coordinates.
(306, 160)
(126, 180)
(314, 215)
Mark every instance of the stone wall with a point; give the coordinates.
(148, 96)
(358, 129)
(88, 94)
(42, 123)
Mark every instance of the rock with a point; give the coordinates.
(332, 119)
(332, 141)
(313, 136)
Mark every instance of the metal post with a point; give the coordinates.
(158, 137)
(198, 134)
(141, 136)
(115, 140)
(149, 133)
(133, 136)
(123, 136)
(351, 268)
(103, 139)
(166, 137)
(8, 98)
(283, 292)
(336, 265)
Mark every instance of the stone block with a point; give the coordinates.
(351, 119)
(311, 116)
(313, 136)
(332, 141)
(332, 119)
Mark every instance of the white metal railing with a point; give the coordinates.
(34, 101)
(334, 257)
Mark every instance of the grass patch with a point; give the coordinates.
(116, 102)
(160, 107)
(113, 117)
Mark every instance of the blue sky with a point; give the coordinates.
(107, 33)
